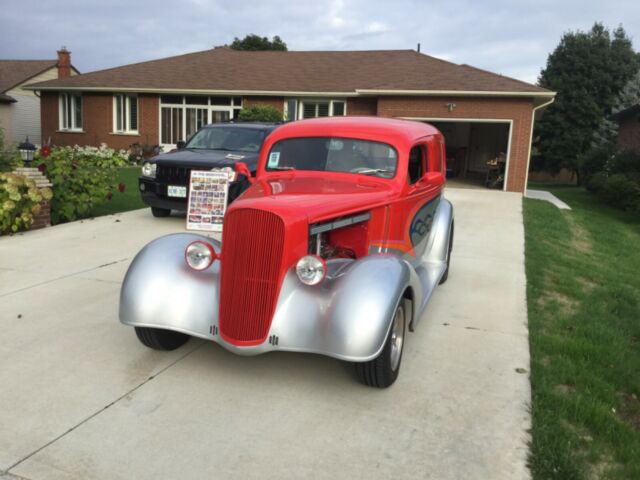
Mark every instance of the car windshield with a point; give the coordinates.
(333, 154)
(227, 138)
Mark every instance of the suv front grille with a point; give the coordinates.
(173, 175)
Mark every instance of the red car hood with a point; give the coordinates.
(316, 197)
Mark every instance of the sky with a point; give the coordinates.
(512, 38)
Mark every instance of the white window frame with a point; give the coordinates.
(300, 106)
(126, 99)
(67, 117)
(232, 108)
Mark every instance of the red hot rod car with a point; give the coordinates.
(335, 249)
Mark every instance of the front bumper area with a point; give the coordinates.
(346, 317)
(154, 193)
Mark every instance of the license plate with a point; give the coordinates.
(176, 191)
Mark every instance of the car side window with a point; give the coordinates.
(416, 164)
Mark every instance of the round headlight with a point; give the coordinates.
(199, 255)
(311, 269)
(149, 169)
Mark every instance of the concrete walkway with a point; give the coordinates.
(548, 197)
(80, 398)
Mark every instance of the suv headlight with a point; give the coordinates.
(149, 169)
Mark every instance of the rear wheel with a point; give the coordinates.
(159, 339)
(445, 275)
(160, 212)
(383, 370)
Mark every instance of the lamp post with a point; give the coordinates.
(27, 151)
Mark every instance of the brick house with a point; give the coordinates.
(628, 121)
(20, 107)
(482, 114)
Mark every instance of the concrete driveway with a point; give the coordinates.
(80, 398)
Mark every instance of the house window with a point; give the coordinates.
(182, 116)
(70, 111)
(125, 113)
(295, 109)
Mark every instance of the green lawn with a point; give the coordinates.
(583, 290)
(123, 202)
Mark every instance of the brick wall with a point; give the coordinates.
(629, 133)
(362, 106)
(518, 110)
(97, 121)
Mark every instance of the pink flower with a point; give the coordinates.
(42, 167)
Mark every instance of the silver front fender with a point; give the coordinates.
(161, 291)
(349, 315)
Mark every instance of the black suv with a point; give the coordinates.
(164, 183)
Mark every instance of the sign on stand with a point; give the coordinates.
(208, 193)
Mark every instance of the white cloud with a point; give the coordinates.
(512, 38)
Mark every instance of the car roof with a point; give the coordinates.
(403, 130)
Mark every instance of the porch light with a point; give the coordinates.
(27, 151)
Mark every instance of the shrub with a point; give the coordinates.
(260, 113)
(19, 202)
(597, 182)
(621, 191)
(625, 161)
(82, 177)
(9, 156)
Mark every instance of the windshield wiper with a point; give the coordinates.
(374, 171)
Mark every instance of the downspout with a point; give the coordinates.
(533, 119)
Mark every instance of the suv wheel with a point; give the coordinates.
(160, 212)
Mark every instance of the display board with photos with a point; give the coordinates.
(208, 193)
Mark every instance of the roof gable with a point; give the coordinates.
(15, 72)
(321, 72)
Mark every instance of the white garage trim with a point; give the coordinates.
(480, 120)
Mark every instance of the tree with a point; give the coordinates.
(260, 113)
(255, 42)
(588, 70)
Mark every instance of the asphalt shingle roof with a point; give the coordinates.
(14, 72)
(223, 69)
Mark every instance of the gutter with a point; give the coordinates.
(533, 116)
(284, 93)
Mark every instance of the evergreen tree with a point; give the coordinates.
(588, 70)
(255, 42)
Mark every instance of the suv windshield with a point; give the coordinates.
(227, 138)
(332, 154)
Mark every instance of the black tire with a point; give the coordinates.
(159, 339)
(160, 212)
(445, 275)
(380, 371)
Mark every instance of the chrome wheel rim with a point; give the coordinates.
(397, 338)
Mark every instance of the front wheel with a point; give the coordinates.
(160, 339)
(383, 370)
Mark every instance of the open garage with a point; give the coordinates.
(477, 151)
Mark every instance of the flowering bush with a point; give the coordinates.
(82, 177)
(19, 202)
